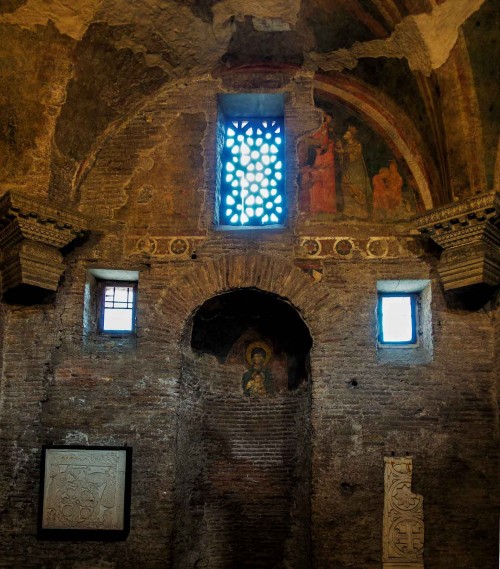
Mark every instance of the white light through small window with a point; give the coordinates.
(117, 320)
(397, 319)
(118, 309)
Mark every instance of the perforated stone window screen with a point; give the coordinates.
(252, 177)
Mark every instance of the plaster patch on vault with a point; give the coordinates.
(425, 40)
(70, 18)
(278, 15)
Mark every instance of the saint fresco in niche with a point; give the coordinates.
(257, 380)
(348, 171)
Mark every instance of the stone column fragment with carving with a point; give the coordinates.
(403, 528)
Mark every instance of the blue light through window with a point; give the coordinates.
(252, 178)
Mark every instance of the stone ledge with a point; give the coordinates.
(469, 233)
(31, 234)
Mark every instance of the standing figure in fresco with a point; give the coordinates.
(356, 188)
(387, 191)
(257, 380)
(319, 172)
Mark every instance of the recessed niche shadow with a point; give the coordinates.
(243, 465)
(227, 325)
(26, 295)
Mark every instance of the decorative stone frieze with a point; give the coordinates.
(31, 234)
(469, 233)
(161, 247)
(403, 528)
(349, 248)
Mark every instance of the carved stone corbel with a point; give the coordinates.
(31, 234)
(469, 233)
(403, 528)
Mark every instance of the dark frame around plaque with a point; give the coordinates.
(78, 487)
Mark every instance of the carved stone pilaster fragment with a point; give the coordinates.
(469, 233)
(403, 527)
(31, 234)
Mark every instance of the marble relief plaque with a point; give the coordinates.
(85, 492)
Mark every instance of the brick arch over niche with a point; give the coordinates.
(267, 273)
(243, 459)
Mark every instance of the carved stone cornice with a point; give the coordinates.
(403, 527)
(469, 233)
(31, 234)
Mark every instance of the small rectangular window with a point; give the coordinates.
(404, 319)
(397, 318)
(117, 303)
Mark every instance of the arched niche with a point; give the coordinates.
(230, 326)
(243, 462)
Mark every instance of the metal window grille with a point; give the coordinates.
(118, 308)
(119, 297)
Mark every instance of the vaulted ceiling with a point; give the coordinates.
(71, 70)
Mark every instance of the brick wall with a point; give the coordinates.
(243, 472)
(191, 447)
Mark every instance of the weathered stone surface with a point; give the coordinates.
(31, 234)
(470, 236)
(425, 40)
(34, 72)
(403, 529)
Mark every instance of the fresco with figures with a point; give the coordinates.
(347, 170)
(258, 379)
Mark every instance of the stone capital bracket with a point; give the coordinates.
(31, 234)
(469, 233)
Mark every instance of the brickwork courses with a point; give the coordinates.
(220, 479)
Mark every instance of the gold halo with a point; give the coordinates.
(263, 346)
